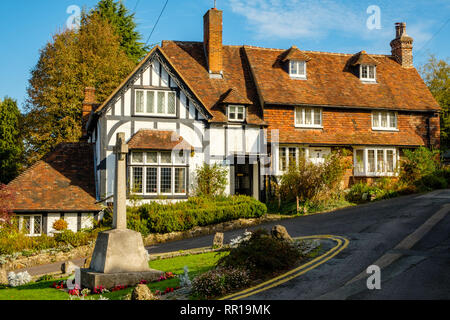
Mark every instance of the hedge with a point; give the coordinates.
(198, 211)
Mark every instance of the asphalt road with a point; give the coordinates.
(373, 229)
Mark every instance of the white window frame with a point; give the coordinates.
(298, 75)
(368, 78)
(240, 109)
(303, 111)
(173, 165)
(307, 153)
(365, 159)
(32, 220)
(379, 114)
(166, 114)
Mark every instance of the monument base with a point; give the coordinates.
(91, 280)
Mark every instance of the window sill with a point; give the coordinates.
(369, 81)
(308, 127)
(293, 77)
(385, 129)
(149, 115)
(374, 175)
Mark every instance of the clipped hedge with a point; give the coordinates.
(196, 212)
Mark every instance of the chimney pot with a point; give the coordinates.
(402, 46)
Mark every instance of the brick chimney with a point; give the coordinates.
(212, 41)
(402, 46)
(88, 106)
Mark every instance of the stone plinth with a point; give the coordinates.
(91, 279)
(119, 251)
(119, 258)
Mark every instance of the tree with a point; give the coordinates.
(122, 20)
(73, 60)
(211, 180)
(11, 144)
(436, 75)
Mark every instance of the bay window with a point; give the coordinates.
(375, 161)
(155, 103)
(158, 173)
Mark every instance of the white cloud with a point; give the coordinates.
(291, 19)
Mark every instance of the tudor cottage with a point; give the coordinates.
(250, 109)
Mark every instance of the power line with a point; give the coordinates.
(417, 55)
(135, 7)
(157, 21)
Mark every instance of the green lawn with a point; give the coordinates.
(197, 264)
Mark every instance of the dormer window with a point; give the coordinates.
(236, 113)
(297, 69)
(367, 72)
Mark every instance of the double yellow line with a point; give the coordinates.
(341, 244)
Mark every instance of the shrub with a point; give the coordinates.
(262, 255)
(198, 211)
(305, 181)
(432, 181)
(211, 180)
(418, 163)
(60, 225)
(219, 282)
(75, 239)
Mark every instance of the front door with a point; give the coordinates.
(244, 179)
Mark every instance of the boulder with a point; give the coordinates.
(3, 277)
(68, 267)
(218, 240)
(142, 292)
(280, 232)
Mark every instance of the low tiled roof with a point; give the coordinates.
(363, 58)
(332, 83)
(63, 181)
(157, 140)
(406, 137)
(234, 96)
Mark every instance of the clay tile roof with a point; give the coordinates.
(294, 54)
(363, 58)
(189, 59)
(158, 140)
(331, 83)
(63, 181)
(234, 96)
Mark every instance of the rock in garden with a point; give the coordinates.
(218, 240)
(280, 232)
(68, 267)
(142, 292)
(3, 277)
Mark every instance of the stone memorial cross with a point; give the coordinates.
(120, 193)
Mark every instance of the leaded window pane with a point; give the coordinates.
(138, 157)
(151, 180)
(26, 225)
(372, 72)
(180, 180)
(301, 67)
(152, 157)
(166, 180)
(161, 102)
(364, 72)
(137, 180)
(37, 225)
(150, 102)
(292, 156)
(139, 101)
(166, 157)
(171, 103)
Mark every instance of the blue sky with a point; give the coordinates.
(319, 25)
